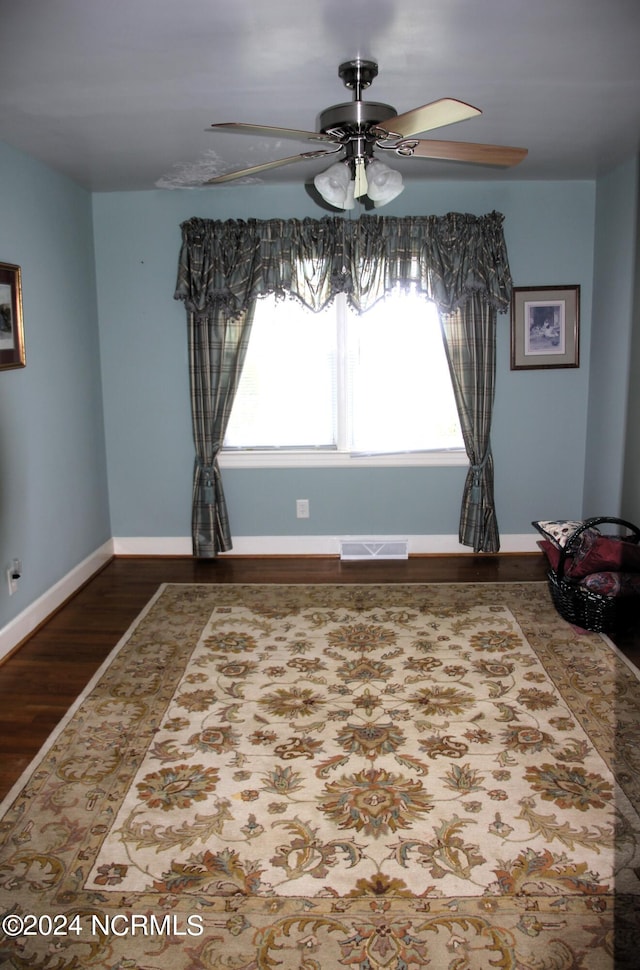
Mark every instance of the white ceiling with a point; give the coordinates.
(118, 94)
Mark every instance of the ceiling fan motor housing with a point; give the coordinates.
(354, 116)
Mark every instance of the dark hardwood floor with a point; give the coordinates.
(41, 680)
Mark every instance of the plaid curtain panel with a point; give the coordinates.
(469, 335)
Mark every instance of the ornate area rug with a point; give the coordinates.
(324, 777)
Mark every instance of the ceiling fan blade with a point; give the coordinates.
(446, 111)
(267, 165)
(239, 128)
(460, 151)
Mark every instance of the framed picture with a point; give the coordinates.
(11, 332)
(545, 327)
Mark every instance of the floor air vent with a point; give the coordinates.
(351, 549)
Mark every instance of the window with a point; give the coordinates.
(339, 387)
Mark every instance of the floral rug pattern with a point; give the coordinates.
(318, 777)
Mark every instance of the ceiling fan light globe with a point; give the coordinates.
(349, 201)
(333, 185)
(385, 184)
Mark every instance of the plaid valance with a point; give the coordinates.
(229, 264)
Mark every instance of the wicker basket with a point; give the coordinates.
(582, 606)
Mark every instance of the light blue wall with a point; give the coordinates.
(53, 494)
(540, 426)
(615, 270)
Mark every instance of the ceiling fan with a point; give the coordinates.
(357, 128)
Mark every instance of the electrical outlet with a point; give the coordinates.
(14, 571)
(302, 508)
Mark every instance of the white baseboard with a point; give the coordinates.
(26, 622)
(308, 545)
(152, 546)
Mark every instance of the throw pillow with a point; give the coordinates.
(598, 554)
(556, 531)
(613, 583)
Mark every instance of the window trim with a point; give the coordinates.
(310, 458)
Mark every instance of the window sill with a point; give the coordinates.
(335, 459)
